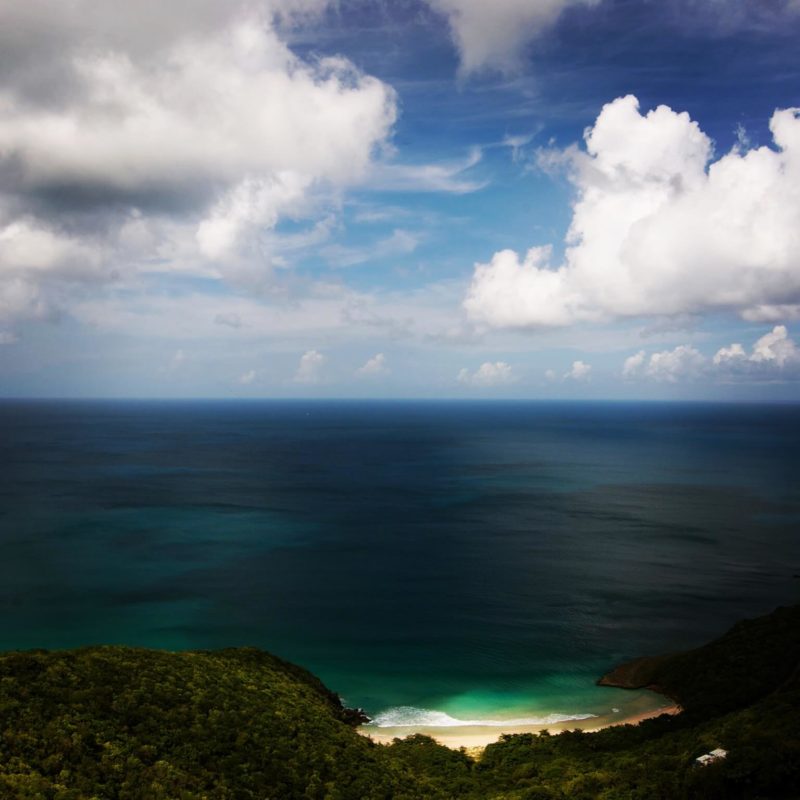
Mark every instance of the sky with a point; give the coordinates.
(400, 198)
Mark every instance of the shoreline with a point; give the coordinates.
(476, 738)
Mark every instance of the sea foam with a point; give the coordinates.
(412, 717)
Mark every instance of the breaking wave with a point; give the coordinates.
(409, 716)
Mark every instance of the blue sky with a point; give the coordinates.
(562, 198)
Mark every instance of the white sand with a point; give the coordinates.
(477, 736)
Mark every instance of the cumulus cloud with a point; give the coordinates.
(142, 27)
(633, 364)
(245, 211)
(725, 355)
(26, 245)
(775, 347)
(579, 371)
(774, 356)
(211, 108)
(488, 374)
(308, 370)
(35, 260)
(669, 366)
(493, 35)
(672, 366)
(659, 229)
(374, 366)
(180, 134)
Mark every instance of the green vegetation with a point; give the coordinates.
(127, 724)
(115, 722)
(752, 659)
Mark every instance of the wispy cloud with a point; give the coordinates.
(400, 243)
(443, 176)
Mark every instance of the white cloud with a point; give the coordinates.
(668, 366)
(185, 136)
(494, 34)
(517, 145)
(488, 374)
(772, 313)
(36, 26)
(36, 260)
(374, 366)
(727, 355)
(579, 371)
(633, 364)
(774, 356)
(219, 107)
(248, 209)
(248, 377)
(29, 246)
(775, 347)
(672, 366)
(771, 354)
(21, 298)
(308, 370)
(399, 243)
(445, 176)
(6, 337)
(654, 232)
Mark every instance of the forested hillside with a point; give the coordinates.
(134, 724)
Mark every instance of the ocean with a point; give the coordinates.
(436, 563)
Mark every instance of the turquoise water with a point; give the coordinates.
(483, 561)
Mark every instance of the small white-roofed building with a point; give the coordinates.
(709, 758)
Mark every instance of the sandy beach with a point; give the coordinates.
(477, 737)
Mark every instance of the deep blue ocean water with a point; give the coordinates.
(485, 560)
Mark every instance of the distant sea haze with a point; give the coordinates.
(478, 562)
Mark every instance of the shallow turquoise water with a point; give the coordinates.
(484, 561)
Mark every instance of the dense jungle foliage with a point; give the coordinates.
(119, 723)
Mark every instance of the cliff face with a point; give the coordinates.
(641, 673)
(753, 659)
